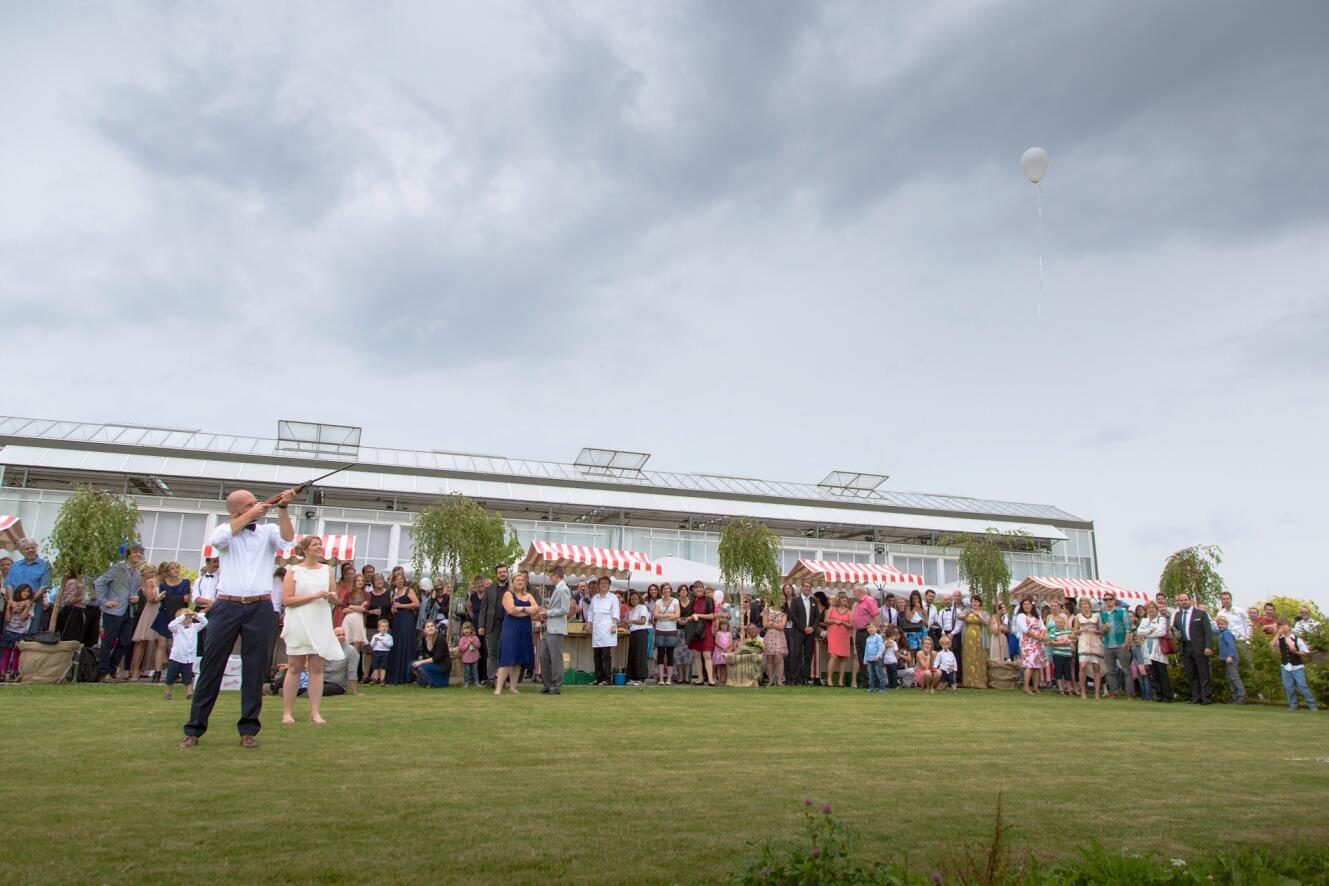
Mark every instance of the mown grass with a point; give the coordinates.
(625, 785)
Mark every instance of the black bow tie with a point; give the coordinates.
(252, 526)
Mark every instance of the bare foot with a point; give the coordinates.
(498, 691)
(315, 718)
(287, 720)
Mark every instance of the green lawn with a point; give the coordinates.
(625, 785)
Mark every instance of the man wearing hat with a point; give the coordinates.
(117, 590)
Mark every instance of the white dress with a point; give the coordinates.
(308, 628)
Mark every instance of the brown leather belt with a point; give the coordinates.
(229, 598)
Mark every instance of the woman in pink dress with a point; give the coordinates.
(839, 624)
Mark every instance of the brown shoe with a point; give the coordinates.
(188, 743)
(248, 741)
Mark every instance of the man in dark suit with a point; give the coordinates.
(804, 616)
(1192, 627)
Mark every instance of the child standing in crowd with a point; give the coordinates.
(184, 647)
(380, 644)
(946, 662)
(873, 650)
(469, 647)
(889, 661)
(1227, 650)
(926, 675)
(1059, 640)
(18, 621)
(724, 642)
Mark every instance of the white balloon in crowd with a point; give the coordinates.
(1034, 162)
(719, 596)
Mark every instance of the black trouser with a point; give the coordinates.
(860, 647)
(117, 628)
(328, 688)
(253, 623)
(637, 655)
(1196, 664)
(1162, 682)
(893, 676)
(807, 643)
(791, 659)
(957, 646)
(484, 659)
(604, 664)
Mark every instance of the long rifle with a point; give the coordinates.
(305, 485)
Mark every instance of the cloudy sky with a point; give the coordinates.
(765, 239)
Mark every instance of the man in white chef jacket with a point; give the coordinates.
(602, 613)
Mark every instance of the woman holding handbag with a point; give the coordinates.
(1152, 631)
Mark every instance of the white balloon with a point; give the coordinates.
(719, 596)
(1034, 162)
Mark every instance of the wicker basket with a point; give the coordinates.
(744, 668)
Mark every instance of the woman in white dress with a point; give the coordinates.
(308, 593)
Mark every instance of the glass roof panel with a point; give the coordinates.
(21, 430)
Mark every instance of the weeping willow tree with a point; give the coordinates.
(90, 532)
(750, 558)
(1193, 571)
(983, 565)
(459, 537)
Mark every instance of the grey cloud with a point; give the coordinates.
(233, 129)
(1296, 344)
(1107, 436)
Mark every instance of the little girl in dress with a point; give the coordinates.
(724, 641)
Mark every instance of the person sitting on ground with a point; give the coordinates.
(946, 663)
(184, 630)
(380, 645)
(340, 677)
(926, 673)
(435, 669)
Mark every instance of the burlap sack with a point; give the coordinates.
(43, 663)
(1003, 674)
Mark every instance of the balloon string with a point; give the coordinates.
(1039, 188)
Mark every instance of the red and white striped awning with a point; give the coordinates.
(581, 560)
(834, 574)
(335, 547)
(1077, 587)
(11, 530)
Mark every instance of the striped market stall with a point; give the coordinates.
(582, 560)
(11, 530)
(1044, 588)
(834, 574)
(335, 547)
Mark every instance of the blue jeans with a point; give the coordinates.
(876, 676)
(434, 675)
(1146, 690)
(1293, 681)
(470, 673)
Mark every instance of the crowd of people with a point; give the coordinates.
(366, 626)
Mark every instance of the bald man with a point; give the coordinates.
(243, 607)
